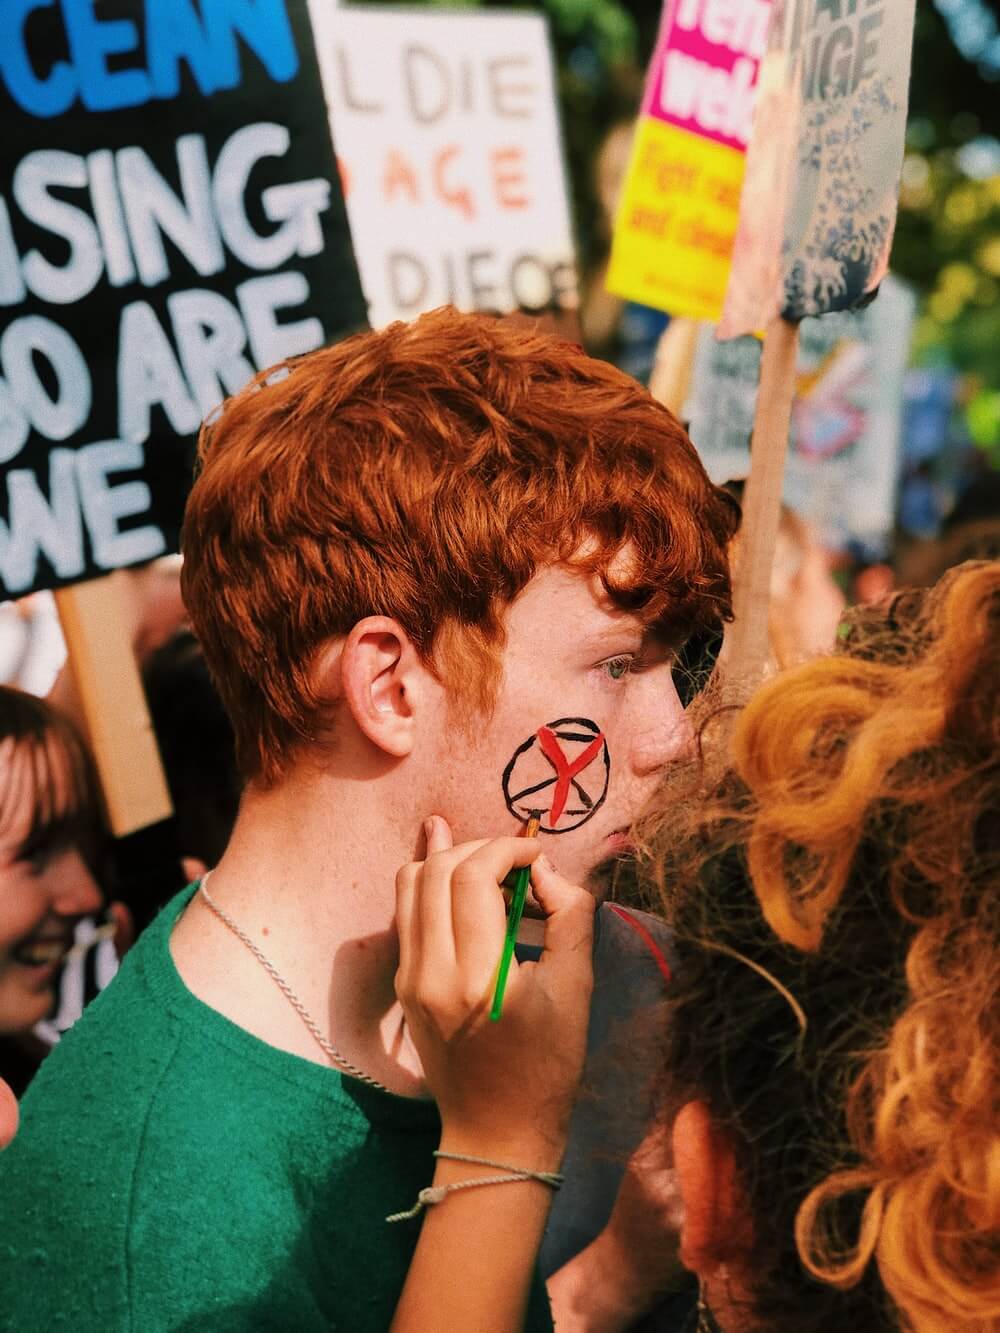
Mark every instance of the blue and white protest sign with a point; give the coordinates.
(170, 221)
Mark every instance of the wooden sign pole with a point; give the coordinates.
(105, 674)
(671, 377)
(746, 647)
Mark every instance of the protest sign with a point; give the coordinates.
(678, 213)
(844, 462)
(170, 221)
(446, 133)
(817, 215)
(845, 438)
(721, 403)
(822, 171)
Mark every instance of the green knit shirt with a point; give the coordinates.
(174, 1172)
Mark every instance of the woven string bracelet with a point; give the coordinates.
(435, 1193)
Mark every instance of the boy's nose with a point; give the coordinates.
(670, 739)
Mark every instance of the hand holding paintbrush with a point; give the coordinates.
(518, 885)
(497, 1085)
(504, 1091)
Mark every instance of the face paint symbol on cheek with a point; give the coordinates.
(563, 770)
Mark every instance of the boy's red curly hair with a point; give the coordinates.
(425, 472)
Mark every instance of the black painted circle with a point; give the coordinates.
(529, 779)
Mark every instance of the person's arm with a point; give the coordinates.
(474, 1262)
(505, 1090)
(633, 1263)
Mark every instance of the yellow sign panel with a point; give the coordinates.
(677, 220)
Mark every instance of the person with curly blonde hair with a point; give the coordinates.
(834, 1033)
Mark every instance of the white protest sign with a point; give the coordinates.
(446, 133)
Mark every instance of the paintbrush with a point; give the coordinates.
(518, 895)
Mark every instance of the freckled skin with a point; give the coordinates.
(569, 653)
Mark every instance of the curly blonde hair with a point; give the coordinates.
(851, 857)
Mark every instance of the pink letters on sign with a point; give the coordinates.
(705, 68)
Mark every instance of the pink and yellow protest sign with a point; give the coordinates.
(677, 219)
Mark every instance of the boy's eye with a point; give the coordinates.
(617, 667)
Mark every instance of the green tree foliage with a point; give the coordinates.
(948, 232)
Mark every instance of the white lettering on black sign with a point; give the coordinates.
(150, 260)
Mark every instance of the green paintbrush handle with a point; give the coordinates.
(517, 900)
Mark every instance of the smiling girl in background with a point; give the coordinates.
(48, 831)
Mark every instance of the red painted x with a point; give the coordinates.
(566, 771)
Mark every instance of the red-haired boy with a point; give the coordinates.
(439, 569)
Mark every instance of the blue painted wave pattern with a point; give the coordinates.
(843, 210)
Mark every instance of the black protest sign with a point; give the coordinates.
(171, 220)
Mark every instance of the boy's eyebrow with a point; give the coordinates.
(671, 635)
(614, 629)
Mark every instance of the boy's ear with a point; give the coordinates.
(378, 670)
(715, 1227)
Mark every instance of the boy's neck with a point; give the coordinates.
(309, 876)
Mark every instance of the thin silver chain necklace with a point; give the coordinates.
(327, 1047)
